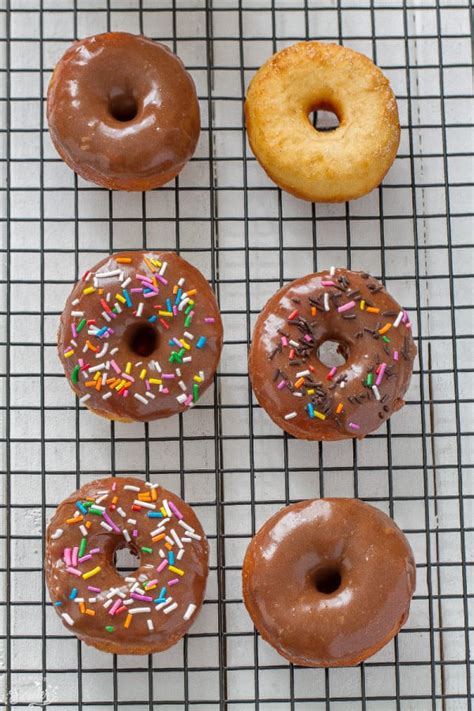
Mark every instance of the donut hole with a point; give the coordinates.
(123, 107)
(332, 353)
(125, 560)
(142, 339)
(324, 118)
(327, 579)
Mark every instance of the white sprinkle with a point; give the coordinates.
(302, 373)
(106, 396)
(169, 540)
(157, 531)
(332, 271)
(186, 539)
(150, 625)
(100, 508)
(135, 585)
(290, 415)
(126, 535)
(105, 275)
(178, 372)
(149, 395)
(101, 498)
(113, 351)
(163, 268)
(83, 530)
(77, 314)
(138, 610)
(107, 603)
(167, 508)
(92, 599)
(298, 394)
(88, 276)
(121, 512)
(187, 359)
(84, 398)
(57, 534)
(126, 282)
(140, 308)
(176, 538)
(189, 611)
(376, 392)
(185, 526)
(161, 554)
(78, 599)
(75, 302)
(189, 335)
(157, 366)
(104, 350)
(295, 344)
(73, 342)
(106, 316)
(107, 297)
(183, 303)
(130, 487)
(194, 535)
(180, 554)
(95, 368)
(163, 604)
(182, 385)
(131, 601)
(67, 618)
(129, 579)
(144, 504)
(151, 485)
(170, 608)
(201, 374)
(141, 398)
(132, 521)
(106, 526)
(118, 309)
(398, 320)
(181, 281)
(326, 301)
(180, 398)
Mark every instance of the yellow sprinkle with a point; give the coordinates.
(121, 384)
(186, 345)
(128, 368)
(88, 290)
(69, 354)
(143, 374)
(97, 375)
(339, 408)
(128, 620)
(165, 313)
(385, 328)
(197, 379)
(320, 415)
(178, 571)
(155, 381)
(362, 305)
(310, 392)
(92, 572)
(120, 298)
(163, 511)
(156, 262)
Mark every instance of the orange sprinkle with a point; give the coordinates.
(339, 408)
(372, 310)
(299, 382)
(123, 260)
(128, 620)
(90, 612)
(101, 291)
(313, 311)
(91, 347)
(82, 607)
(167, 545)
(385, 328)
(149, 264)
(191, 292)
(144, 496)
(158, 538)
(154, 495)
(98, 385)
(115, 499)
(88, 524)
(75, 519)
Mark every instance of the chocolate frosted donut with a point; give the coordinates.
(140, 336)
(328, 582)
(361, 385)
(123, 111)
(151, 608)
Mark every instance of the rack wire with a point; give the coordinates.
(226, 457)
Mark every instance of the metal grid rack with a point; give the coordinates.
(226, 457)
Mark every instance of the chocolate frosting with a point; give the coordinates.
(123, 111)
(362, 564)
(140, 336)
(146, 611)
(311, 400)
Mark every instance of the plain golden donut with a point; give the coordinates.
(329, 166)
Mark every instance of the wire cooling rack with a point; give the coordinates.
(226, 457)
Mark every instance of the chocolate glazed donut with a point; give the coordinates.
(123, 111)
(315, 400)
(328, 582)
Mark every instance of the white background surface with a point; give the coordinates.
(226, 457)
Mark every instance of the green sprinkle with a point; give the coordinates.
(195, 392)
(189, 308)
(182, 352)
(81, 325)
(82, 547)
(370, 378)
(188, 321)
(384, 338)
(95, 511)
(75, 374)
(87, 504)
(110, 628)
(146, 550)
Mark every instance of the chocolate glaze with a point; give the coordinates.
(137, 638)
(297, 311)
(79, 359)
(123, 111)
(298, 549)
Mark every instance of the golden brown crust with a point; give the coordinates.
(328, 582)
(335, 166)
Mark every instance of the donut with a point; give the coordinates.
(152, 607)
(322, 166)
(123, 112)
(140, 336)
(328, 582)
(360, 385)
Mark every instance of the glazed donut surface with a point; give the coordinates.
(312, 400)
(140, 336)
(322, 166)
(152, 607)
(123, 111)
(328, 582)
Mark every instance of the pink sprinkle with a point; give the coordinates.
(395, 355)
(162, 565)
(210, 319)
(128, 377)
(328, 283)
(354, 426)
(73, 329)
(188, 400)
(88, 556)
(115, 366)
(75, 551)
(165, 391)
(67, 556)
(284, 341)
(405, 316)
(81, 362)
(97, 550)
(191, 313)
(74, 571)
(381, 374)
(93, 589)
(151, 582)
(408, 325)
(346, 307)
(147, 385)
(115, 606)
(308, 338)
(174, 581)
(135, 533)
(332, 372)
(110, 522)
(175, 310)
(168, 376)
(114, 486)
(136, 289)
(143, 278)
(137, 596)
(150, 294)
(175, 340)
(125, 392)
(175, 510)
(162, 279)
(281, 384)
